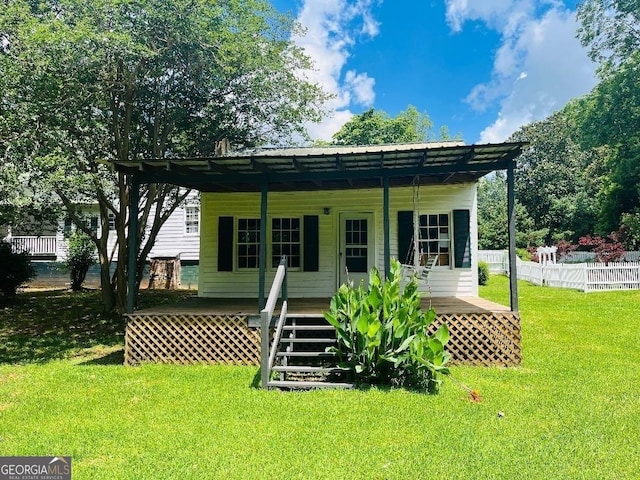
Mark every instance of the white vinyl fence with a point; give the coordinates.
(588, 277)
(498, 260)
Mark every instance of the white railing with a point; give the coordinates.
(45, 245)
(588, 277)
(498, 260)
(278, 289)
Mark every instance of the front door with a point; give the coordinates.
(356, 247)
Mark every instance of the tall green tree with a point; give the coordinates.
(88, 81)
(557, 180)
(609, 28)
(493, 233)
(611, 112)
(377, 127)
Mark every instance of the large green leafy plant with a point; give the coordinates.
(383, 334)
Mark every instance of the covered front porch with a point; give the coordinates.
(241, 194)
(217, 330)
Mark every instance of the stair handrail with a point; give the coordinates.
(278, 289)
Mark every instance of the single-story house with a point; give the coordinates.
(336, 212)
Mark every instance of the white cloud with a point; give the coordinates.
(333, 27)
(361, 86)
(538, 67)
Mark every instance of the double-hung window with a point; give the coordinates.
(192, 219)
(435, 238)
(285, 240)
(248, 242)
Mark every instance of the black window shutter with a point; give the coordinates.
(225, 244)
(311, 234)
(462, 238)
(405, 235)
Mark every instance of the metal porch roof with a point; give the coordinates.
(328, 168)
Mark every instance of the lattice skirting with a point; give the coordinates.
(491, 338)
(184, 338)
(476, 339)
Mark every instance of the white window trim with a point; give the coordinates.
(449, 215)
(186, 219)
(269, 246)
(270, 243)
(236, 246)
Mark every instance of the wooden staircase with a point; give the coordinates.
(297, 354)
(301, 359)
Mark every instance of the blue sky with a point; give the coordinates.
(481, 67)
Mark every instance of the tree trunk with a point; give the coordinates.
(164, 273)
(108, 295)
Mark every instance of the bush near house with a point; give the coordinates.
(80, 256)
(15, 269)
(383, 334)
(483, 273)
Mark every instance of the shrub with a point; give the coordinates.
(608, 249)
(524, 254)
(80, 256)
(483, 273)
(630, 229)
(15, 269)
(383, 334)
(565, 248)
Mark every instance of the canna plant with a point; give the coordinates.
(383, 335)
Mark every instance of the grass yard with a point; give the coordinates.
(572, 410)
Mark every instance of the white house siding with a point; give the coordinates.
(173, 240)
(445, 281)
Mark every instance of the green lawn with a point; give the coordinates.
(572, 410)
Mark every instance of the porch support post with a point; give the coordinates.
(134, 197)
(511, 211)
(263, 245)
(387, 241)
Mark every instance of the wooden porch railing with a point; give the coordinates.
(44, 245)
(278, 289)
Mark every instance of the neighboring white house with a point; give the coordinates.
(179, 236)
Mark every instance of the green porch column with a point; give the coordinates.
(134, 198)
(263, 246)
(387, 240)
(511, 212)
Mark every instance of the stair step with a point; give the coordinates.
(307, 340)
(309, 369)
(305, 384)
(308, 327)
(306, 354)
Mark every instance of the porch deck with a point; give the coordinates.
(306, 306)
(214, 330)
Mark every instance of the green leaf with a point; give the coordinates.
(435, 346)
(362, 325)
(442, 334)
(405, 344)
(374, 328)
